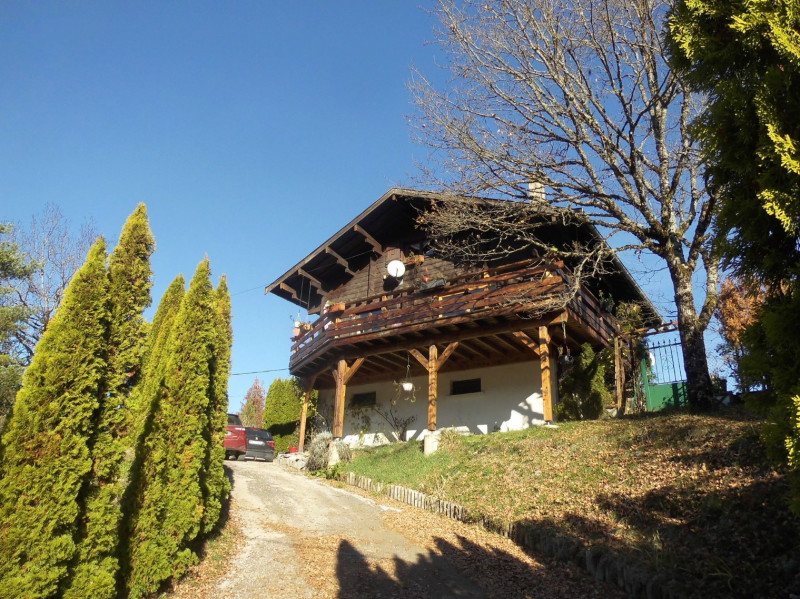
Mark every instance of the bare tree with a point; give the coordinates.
(58, 252)
(569, 107)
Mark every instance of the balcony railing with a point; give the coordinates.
(498, 292)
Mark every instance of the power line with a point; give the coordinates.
(258, 371)
(249, 290)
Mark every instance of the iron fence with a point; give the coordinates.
(665, 360)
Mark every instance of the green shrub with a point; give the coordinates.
(319, 452)
(282, 412)
(582, 391)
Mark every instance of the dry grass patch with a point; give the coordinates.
(692, 497)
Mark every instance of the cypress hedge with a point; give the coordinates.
(45, 456)
(111, 469)
(141, 401)
(129, 276)
(216, 484)
(144, 406)
(170, 515)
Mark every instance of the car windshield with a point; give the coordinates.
(234, 419)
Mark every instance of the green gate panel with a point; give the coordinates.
(668, 395)
(664, 395)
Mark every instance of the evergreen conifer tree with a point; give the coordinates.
(217, 485)
(745, 55)
(154, 351)
(129, 294)
(45, 455)
(170, 512)
(144, 405)
(282, 412)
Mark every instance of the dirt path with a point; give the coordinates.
(306, 539)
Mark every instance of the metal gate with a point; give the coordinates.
(662, 371)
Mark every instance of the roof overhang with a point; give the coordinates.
(392, 221)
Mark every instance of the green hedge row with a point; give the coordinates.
(111, 465)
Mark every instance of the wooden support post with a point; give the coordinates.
(547, 367)
(338, 402)
(433, 364)
(619, 376)
(308, 389)
(342, 375)
(433, 386)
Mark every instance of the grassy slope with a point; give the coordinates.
(691, 496)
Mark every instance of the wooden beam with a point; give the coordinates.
(353, 369)
(370, 239)
(419, 357)
(507, 344)
(546, 366)
(486, 345)
(523, 338)
(283, 286)
(447, 353)
(340, 260)
(388, 361)
(308, 389)
(432, 365)
(314, 280)
(469, 352)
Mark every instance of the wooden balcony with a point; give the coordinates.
(495, 302)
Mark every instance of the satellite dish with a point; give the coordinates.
(396, 269)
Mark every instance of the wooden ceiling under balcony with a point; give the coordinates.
(479, 347)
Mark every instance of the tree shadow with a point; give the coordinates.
(722, 529)
(463, 570)
(726, 541)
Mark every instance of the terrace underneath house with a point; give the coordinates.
(403, 341)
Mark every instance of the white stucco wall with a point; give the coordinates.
(510, 399)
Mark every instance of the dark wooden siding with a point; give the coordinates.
(369, 281)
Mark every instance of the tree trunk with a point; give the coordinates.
(698, 380)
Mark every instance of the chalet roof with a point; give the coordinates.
(390, 222)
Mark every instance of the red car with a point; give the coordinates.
(235, 438)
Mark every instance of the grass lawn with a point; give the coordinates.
(689, 496)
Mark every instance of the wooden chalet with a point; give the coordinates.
(479, 343)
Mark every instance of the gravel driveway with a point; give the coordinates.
(306, 538)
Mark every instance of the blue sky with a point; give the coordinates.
(252, 131)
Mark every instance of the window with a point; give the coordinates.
(363, 400)
(465, 386)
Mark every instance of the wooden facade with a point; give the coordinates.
(440, 316)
